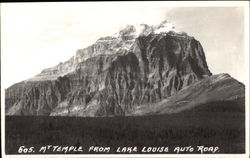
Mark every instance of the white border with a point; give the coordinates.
(244, 4)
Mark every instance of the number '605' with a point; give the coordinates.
(23, 149)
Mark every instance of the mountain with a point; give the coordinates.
(140, 70)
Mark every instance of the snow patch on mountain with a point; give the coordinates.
(117, 43)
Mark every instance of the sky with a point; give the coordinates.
(35, 36)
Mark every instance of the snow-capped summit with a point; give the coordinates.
(119, 42)
(145, 29)
(165, 27)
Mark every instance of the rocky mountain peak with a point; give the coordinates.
(121, 41)
(139, 66)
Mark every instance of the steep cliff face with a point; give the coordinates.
(115, 76)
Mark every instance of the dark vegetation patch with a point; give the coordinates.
(205, 126)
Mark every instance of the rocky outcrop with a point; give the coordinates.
(220, 88)
(115, 76)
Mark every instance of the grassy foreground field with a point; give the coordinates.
(225, 129)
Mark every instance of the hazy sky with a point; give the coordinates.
(35, 36)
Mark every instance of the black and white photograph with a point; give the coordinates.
(93, 79)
